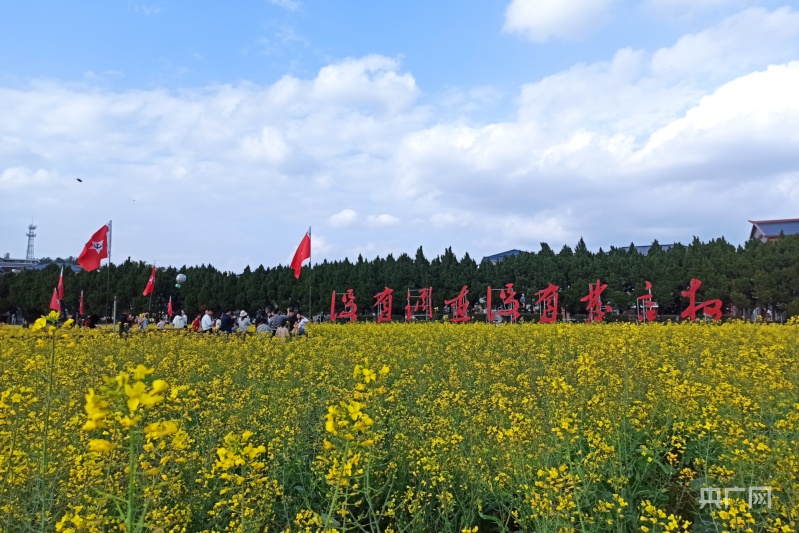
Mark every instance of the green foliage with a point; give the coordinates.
(756, 274)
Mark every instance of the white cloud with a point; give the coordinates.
(22, 177)
(747, 40)
(268, 146)
(382, 220)
(757, 112)
(637, 91)
(343, 219)
(689, 8)
(645, 144)
(145, 9)
(542, 20)
(291, 5)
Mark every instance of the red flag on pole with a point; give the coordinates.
(95, 250)
(80, 309)
(60, 288)
(169, 308)
(55, 305)
(150, 284)
(303, 252)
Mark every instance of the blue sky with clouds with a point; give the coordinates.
(218, 133)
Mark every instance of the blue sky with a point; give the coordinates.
(218, 133)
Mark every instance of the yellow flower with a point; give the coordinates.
(101, 446)
(159, 385)
(330, 420)
(138, 395)
(142, 372)
(95, 411)
(354, 409)
(135, 394)
(160, 429)
(130, 422)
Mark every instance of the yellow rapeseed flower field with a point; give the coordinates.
(402, 428)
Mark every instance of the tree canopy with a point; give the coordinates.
(756, 274)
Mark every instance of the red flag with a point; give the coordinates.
(95, 250)
(150, 284)
(169, 308)
(60, 288)
(80, 309)
(55, 305)
(303, 252)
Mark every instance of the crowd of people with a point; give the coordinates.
(275, 322)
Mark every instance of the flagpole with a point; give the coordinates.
(150, 305)
(60, 292)
(310, 268)
(108, 282)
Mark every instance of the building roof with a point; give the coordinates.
(502, 255)
(644, 249)
(773, 228)
(42, 266)
(9, 264)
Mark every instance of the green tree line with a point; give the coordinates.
(753, 275)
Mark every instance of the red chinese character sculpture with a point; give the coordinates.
(648, 311)
(350, 308)
(384, 302)
(549, 298)
(510, 304)
(460, 306)
(422, 302)
(596, 311)
(711, 308)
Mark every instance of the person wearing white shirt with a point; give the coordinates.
(177, 322)
(301, 324)
(207, 323)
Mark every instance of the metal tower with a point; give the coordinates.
(30, 235)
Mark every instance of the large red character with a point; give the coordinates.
(596, 311)
(385, 301)
(549, 298)
(350, 309)
(711, 308)
(423, 303)
(648, 311)
(460, 306)
(509, 301)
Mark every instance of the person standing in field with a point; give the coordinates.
(277, 321)
(226, 322)
(207, 323)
